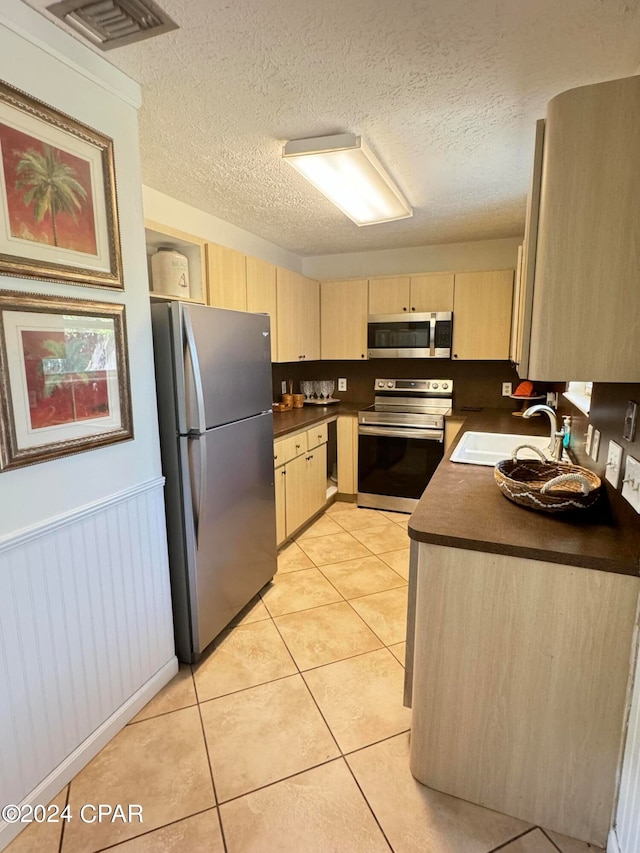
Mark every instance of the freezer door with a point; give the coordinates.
(232, 491)
(227, 365)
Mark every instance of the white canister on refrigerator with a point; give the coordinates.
(170, 272)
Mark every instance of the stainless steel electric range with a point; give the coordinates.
(401, 441)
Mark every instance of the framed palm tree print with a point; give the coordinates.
(58, 208)
(64, 377)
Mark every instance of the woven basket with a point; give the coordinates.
(546, 485)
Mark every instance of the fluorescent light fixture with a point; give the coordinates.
(349, 174)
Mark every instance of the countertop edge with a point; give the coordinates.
(305, 418)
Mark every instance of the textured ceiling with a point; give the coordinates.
(445, 91)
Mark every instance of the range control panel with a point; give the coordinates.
(426, 387)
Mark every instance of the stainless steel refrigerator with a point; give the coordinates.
(213, 376)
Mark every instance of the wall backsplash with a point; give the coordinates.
(476, 383)
(608, 406)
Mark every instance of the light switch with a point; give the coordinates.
(588, 440)
(595, 445)
(631, 483)
(614, 464)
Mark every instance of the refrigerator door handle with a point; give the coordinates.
(195, 367)
(202, 490)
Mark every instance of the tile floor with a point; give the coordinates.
(290, 735)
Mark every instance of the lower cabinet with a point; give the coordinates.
(300, 479)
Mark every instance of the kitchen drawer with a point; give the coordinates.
(316, 436)
(288, 448)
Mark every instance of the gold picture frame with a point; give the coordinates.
(64, 377)
(58, 204)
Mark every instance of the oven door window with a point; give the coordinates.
(399, 335)
(396, 466)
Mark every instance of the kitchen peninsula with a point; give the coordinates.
(519, 652)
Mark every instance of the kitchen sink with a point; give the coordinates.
(487, 448)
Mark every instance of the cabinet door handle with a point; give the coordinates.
(361, 355)
(404, 308)
(413, 308)
(297, 447)
(455, 355)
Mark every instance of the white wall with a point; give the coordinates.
(30, 495)
(86, 632)
(169, 211)
(479, 255)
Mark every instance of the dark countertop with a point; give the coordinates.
(463, 508)
(295, 419)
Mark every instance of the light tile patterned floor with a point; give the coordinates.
(290, 735)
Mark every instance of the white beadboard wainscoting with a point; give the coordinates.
(86, 638)
(625, 836)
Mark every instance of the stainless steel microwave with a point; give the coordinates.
(424, 335)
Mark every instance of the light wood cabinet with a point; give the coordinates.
(521, 674)
(317, 435)
(523, 304)
(261, 296)
(300, 479)
(586, 294)
(281, 504)
(451, 429)
(347, 438)
(316, 479)
(482, 309)
(389, 295)
(226, 277)
(431, 292)
(297, 498)
(298, 316)
(343, 319)
(419, 293)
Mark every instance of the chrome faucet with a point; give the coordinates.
(556, 438)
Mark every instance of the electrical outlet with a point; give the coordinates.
(507, 389)
(588, 439)
(614, 464)
(595, 445)
(342, 384)
(552, 399)
(631, 483)
(283, 386)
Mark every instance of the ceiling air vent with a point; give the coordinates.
(113, 23)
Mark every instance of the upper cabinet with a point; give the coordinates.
(482, 311)
(298, 310)
(584, 288)
(343, 319)
(226, 277)
(389, 295)
(431, 292)
(261, 296)
(419, 293)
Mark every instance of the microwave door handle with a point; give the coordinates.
(432, 336)
(195, 369)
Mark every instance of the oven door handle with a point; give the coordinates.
(385, 432)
